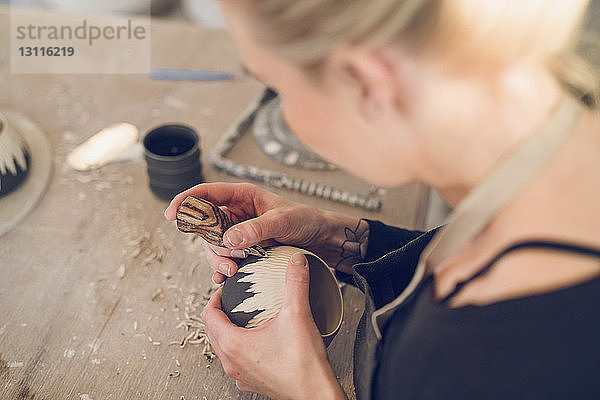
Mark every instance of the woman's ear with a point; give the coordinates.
(375, 79)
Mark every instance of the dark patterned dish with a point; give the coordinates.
(15, 158)
(254, 294)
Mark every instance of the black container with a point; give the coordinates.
(172, 155)
(13, 152)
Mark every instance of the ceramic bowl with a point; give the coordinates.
(14, 157)
(254, 294)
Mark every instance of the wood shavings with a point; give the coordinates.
(180, 325)
(86, 178)
(193, 268)
(193, 325)
(139, 240)
(149, 256)
(141, 244)
(136, 252)
(121, 271)
(100, 186)
(156, 294)
(175, 103)
(15, 364)
(69, 353)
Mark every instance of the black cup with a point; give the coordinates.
(173, 158)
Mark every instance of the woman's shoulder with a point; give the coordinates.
(530, 268)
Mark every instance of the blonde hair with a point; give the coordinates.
(480, 32)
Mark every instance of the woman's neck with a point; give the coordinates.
(560, 204)
(493, 117)
(563, 199)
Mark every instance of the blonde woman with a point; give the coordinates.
(493, 103)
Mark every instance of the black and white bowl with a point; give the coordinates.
(254, 295)
(15, 157)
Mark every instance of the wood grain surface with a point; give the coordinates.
(95, 283)
(203, 218)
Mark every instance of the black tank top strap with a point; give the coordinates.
(532, 244)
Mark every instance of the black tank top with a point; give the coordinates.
(543, 346)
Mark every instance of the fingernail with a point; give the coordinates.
(298, 259)
(235, 237)
(225, 268)
(238, 254)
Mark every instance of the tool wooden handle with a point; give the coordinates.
(203, 218)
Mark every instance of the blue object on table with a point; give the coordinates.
(190, 75)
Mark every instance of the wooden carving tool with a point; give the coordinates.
(207, 220)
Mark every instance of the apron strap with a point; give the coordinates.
(485, 201)
(530, 244)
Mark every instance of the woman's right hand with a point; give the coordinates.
(263, 218)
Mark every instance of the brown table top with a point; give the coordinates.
(94, 281)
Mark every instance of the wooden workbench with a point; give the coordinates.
(94, 282)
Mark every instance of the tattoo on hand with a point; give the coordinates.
(354, 248)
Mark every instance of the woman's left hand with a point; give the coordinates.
(284, 358)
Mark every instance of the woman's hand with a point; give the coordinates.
(284, 358)
(262, 217)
